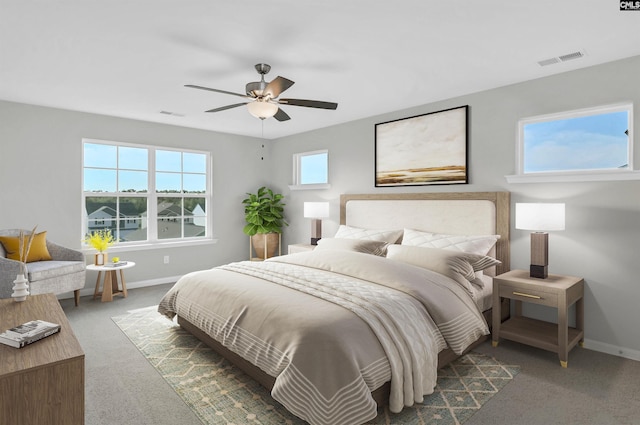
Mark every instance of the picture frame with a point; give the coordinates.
(427, 149)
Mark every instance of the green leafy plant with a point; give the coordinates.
(264, 212)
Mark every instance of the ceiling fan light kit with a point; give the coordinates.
(262, 109)
(264, 97)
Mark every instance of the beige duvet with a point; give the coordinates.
(332, 326)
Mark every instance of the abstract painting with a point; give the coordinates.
(422, 150)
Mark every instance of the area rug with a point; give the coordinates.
(221, 394)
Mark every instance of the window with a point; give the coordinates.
(311, 170)
(145, 194)
(587, 144)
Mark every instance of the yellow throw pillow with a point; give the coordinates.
(38, 251)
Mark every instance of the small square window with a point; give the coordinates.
(311, 170)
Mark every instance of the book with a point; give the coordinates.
(28, 333)
(118, 264)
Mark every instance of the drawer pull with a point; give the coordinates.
(527, 295)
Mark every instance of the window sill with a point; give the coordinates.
(152, 245)
(309, 186)
(573, 177)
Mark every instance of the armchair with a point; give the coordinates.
(64, 273)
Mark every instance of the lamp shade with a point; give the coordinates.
(316, 209)
(539, 216)
(261, 109)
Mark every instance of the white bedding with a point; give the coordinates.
(382, 319)
(483, 295)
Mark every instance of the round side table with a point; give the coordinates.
(110, 285)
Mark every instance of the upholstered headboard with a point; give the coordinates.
(458, 213)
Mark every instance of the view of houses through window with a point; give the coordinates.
(145, 194)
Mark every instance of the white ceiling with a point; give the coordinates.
(132, 58)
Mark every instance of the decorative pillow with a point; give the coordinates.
(38, 251)
(357, 245)
(348, 232)
(473, 244)
(460, 266)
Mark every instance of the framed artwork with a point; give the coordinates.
(423, 150)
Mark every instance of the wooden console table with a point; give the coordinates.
(42, 383)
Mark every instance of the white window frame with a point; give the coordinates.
(628, 173)
(152, 202)
(297, 171)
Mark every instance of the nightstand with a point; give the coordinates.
(300, 247)
(555, 291)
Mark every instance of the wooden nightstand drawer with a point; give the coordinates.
(530, 295)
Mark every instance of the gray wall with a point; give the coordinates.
(40, 181)
(602, 233)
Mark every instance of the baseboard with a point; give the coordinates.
(602, 347)
(130, 285)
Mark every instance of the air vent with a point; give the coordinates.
(571, 56)
(548, 61)
(562, 58)
(175, 114)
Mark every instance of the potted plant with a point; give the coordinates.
(264, 214)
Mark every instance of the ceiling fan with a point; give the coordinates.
(263, 97)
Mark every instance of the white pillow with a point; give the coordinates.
(348, 232)
(473, 244)
(460, 266)
(357, 245)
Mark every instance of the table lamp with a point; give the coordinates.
(315, 211)
(539, 217)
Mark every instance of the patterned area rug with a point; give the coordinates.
(220, 394)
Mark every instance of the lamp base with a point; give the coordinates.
(540, 272)
(316, 231)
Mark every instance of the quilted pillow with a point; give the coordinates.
(460, 266)
(357, 245)
(348, 232)
(473, 244)
(37, 252)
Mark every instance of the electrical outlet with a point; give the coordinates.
(166, 259)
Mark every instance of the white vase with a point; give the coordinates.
(20, 289)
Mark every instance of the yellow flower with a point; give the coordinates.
(100, 239)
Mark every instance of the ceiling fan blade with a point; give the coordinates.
(224, 108)
(277, 86)
(308, 103)
(281, 115)
(217, 91)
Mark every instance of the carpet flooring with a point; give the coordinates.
(123, 388)
(220, 394)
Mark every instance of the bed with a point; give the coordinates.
(366, 318)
